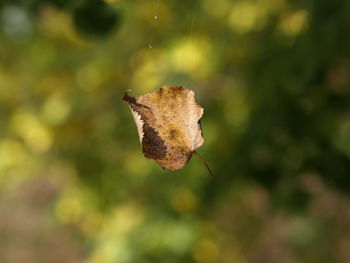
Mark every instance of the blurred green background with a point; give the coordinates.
(274, 79)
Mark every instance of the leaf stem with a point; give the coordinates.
(204, 162)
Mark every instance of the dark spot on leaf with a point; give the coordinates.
(153, 146)
(172, 134)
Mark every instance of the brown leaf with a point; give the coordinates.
(168, 125)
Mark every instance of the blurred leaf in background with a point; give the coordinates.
(273, 78)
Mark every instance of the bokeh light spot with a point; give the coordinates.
(122, 220)
(294, 23)
(35, 134)
(206, 251)
(69, 210)
(246, 15)
(59, 26)
(91, 224)
(220, 10)
(16, 23)
(192, 57)
(183, 200)
(56, 110)
(149, 74)
(11, 153)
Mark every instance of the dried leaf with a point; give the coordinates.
(168, 125)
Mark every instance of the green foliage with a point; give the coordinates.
(273, 78)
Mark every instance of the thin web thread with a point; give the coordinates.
(194, 16)
(190, 36)
(155, 19)
(179, 79)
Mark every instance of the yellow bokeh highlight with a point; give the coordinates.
(58, 26)
(112, 1)
(69, 210)
(183, 200)
(294, 23)
(76, 206)
(246, 16)
(56, 109)
(112, 236)
(150, 69)
(111, 251)
(206, 251)
(192, 56)
(122, 219)
(11, 153)
(91, 224)
(220, 10)
(38, 137)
